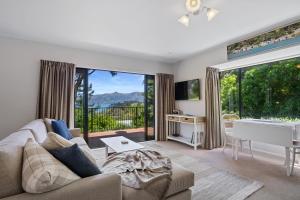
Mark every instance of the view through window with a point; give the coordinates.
(269, 91)
(109, 103)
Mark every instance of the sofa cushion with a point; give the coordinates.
(60, 127)
(182, 179)
(11, 154)
(74, 158)
(48, 124)
(55, 141)
(41, 171)
(38, 129)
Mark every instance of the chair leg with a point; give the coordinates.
(233, 146)
(241, 144)
(225, 142)
(250, 147)
(294, 158)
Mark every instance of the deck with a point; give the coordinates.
(135, 134)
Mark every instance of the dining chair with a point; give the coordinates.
(227, 123)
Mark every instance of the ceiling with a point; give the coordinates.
(142, 28)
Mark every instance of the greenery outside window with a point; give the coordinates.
(267, 91)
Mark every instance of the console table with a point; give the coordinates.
(195, 121)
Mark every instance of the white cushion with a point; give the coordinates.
(38, 129)
(48, 123)
(42, 172)
(11, 154)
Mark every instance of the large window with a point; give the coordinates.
(270, 90)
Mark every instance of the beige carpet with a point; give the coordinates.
(211, 183)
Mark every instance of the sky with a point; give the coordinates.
(103, 82)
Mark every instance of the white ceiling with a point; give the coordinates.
(145, 28)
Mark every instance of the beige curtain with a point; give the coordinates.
(165, 102)
(56, 91)
(212, 137)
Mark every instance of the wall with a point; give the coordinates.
(19, 75)
(195, 67)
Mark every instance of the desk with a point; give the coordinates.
(266, 131)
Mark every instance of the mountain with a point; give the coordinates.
(113, 98)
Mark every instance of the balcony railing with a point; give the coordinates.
(111, 118)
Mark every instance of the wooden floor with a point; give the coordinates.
(265, 168)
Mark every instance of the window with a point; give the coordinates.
(270, 90)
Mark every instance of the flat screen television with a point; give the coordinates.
(187, 90)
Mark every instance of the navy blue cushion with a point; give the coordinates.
(76, 161)
(60, 127)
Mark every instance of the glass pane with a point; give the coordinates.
(267, 91)
(272, 90)
(150, 106)
(79, 99)
(229, 92)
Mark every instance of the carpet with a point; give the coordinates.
(211, 183)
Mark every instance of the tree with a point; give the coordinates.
(229, 92)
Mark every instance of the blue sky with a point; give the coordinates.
(103, 82)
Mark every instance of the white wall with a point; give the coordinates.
(19, 75)
(195, 67)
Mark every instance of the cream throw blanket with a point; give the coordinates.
(142, 169)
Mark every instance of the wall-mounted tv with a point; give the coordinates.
(187, 90)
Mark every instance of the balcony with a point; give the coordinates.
(114, 121)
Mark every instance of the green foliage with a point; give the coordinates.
(268, 91)
(229, 93)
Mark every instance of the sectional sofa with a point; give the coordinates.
(101, 187)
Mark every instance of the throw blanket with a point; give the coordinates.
(142, 169)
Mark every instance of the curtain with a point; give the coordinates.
(165, 102)
(56, 91)
(212, 137)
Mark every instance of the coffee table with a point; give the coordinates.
(115, 143)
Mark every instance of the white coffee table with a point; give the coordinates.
(115, 144)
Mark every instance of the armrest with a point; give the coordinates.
(75, 132)
(99, 187)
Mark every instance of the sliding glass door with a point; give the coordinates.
(109, 104)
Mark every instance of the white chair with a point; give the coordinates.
(227, 123)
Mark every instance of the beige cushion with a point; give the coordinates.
(48, 123)
(38, 129)
(54, 141)
(11, 154)
(41, 171)
(182, 179)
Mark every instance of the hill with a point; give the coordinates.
(114, 98)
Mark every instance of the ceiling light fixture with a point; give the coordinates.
(211, 13)
(194, 7)
(185, 20)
